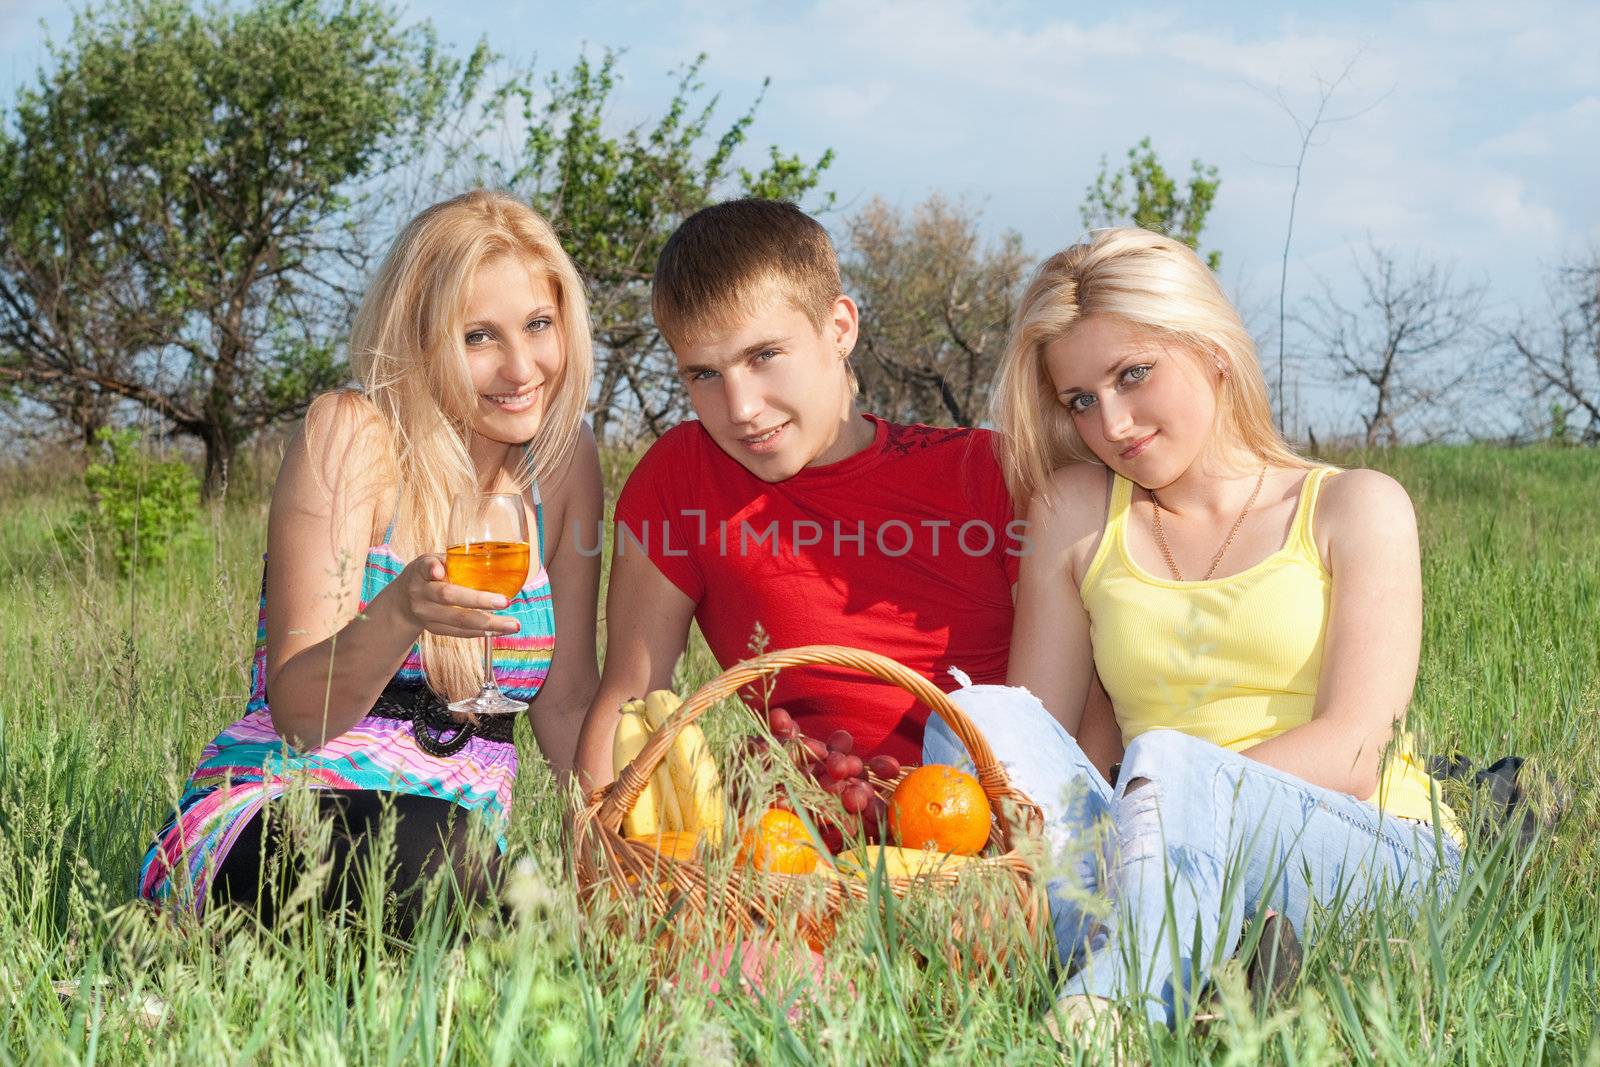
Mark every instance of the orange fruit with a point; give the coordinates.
(674, 844)
(778, 843)
(940, 807)
(680, 845)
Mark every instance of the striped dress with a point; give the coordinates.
(249, 764)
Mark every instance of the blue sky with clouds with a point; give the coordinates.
(1478, 143)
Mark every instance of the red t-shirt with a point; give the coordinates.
(908, 548)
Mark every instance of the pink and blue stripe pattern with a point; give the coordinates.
(249, 763)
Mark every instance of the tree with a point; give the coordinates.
(936, 305)
(187, 197)
(1564, 354)
(615, 196)
(1407, 342)
(72, 310)
(1142, 194)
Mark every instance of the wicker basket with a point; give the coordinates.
(749, 903)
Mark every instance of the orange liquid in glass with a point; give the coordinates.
(492, 566)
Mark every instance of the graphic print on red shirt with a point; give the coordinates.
(908, 548)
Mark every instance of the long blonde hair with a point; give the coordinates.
(407, 353)
(1155, 284)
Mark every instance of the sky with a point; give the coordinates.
(1469, 132)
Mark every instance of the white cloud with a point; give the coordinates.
(1543, 44)
(1503, 200)
(1549, 134)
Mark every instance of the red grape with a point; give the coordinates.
(856, 798)
(839, 765)
(841, 741)
(885, 767)
(836, 786)
(782, 725)
(852, 767)
(876, 818)
(819, 771)
(816, 748)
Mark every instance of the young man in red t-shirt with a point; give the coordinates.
(785, 507)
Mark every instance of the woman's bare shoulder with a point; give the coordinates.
(578, 472)
(1366, 511)
(1071, 506)
(345, 424)
(1076, 491)
(338, 460)
(1361, 495)
(573, 493)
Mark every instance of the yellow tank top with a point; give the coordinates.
(1234, 660)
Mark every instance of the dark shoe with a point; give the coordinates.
(1500, 801)
(1275, 966)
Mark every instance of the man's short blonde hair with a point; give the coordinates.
(731, 260)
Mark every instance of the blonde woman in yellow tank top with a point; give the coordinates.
(1255, 618)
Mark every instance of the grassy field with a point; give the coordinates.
(109, 687)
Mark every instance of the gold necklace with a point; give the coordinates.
(1161, 538)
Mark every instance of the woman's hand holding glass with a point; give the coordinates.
(429, 601)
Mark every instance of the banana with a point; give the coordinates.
(631, 735)
(659, 706)
(699, 787)
(666, 794)
(898, 862)
(671, 813)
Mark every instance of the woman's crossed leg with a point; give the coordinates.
(1189, 846)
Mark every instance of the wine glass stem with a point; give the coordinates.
(489, 684)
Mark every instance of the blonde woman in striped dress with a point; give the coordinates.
(473, 356)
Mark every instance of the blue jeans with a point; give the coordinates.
(1151, 886)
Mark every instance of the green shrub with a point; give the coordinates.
(139, 505)
(1560, 430)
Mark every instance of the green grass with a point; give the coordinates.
(109, 687)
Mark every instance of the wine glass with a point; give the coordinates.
(488, 551)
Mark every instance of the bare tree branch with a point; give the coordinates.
(1563, 351)
(1414, 341)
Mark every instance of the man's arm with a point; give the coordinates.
(647, 627)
